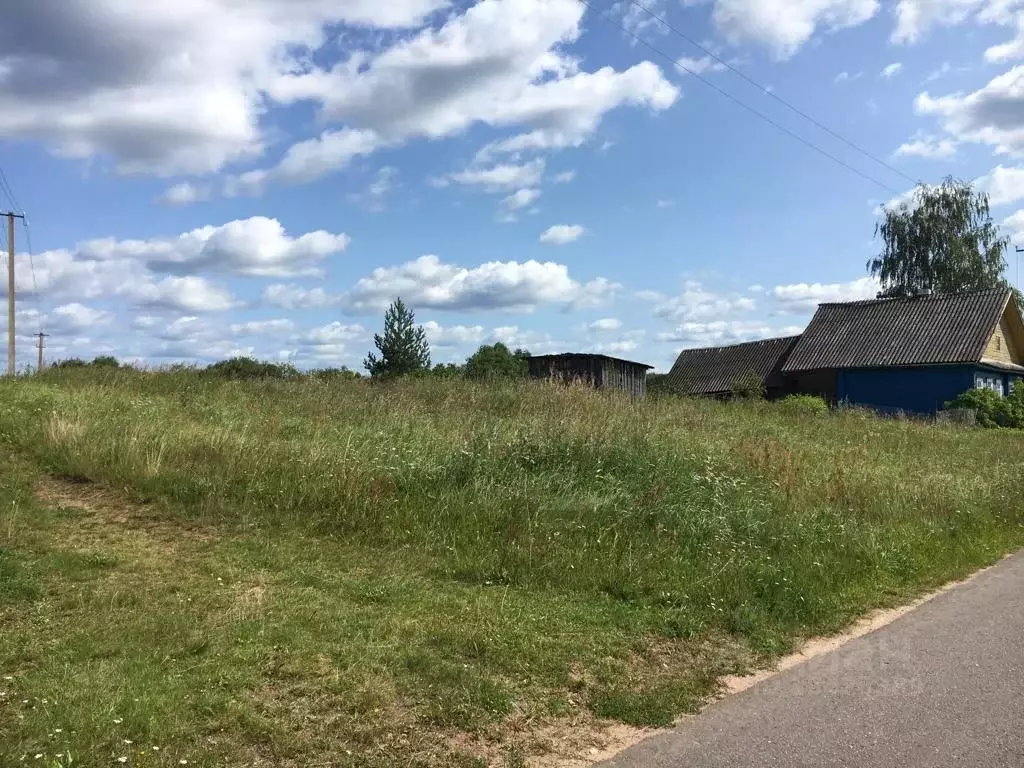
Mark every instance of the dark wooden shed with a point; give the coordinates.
(599, 371)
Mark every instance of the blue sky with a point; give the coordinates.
(205, 178)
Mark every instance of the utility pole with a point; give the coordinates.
(1020, 250)
(12, 368)
(40, 336)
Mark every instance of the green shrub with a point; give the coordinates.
(335, 374)
(71, 362)
(804, 404)
(750, 386)
(247, 368)
(991, 408)
(497, 361)
(105, 361)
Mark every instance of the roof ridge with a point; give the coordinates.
(925, 296)
(741, 343)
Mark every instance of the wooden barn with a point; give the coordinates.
(908, 354)
(599, 371)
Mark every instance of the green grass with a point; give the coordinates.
(437, 573)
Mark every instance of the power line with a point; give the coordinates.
(769, 92)
(35, 285)
(735, 100)
(5, 187)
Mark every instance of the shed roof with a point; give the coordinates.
(581, 355)
(713, 370)
(920, 330)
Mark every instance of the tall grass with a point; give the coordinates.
(734, 516)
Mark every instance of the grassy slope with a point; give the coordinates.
(343, 574)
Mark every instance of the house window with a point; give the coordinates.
(989, 381)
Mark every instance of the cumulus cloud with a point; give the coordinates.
(914, 18)
(502, 176)
(698, 303)
(452, 335)
(499, 63)
(720, 332)
(429, 283)
(185, 193)
(163, 88)
(805, 297)
(257, 246)
(992, 115)
(187, 294)
(564, 177)
(517, 201)
(1002, 185)
(928, 146)
(75, 318)
(561, 234)
(784, 25)
(307, 161)
(1015, 225)
(290, 296)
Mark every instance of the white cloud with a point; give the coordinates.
(185, 193)
(499, 64)
(187, 294)
(915, 17)
(697, 303)
(639, 21)
(1015, 225)
(1002, 185)
(721, 332)
(564, 177)
(755, 288)
(605, 325)
(784, 25)
(928, 146)
(308, 161)
(428, 283)
(992, 115)
(1013, 49)
(163, 88)
(561, 234)
(845, 76)
(257, 246)
(805, 297)
(891, 70)
(374, 196)
(75, 318)
(297, 297)
(941, 71)
(452, 335)
(699, 66)
(504, 176)
(666, 203)
(515, 202)
(276, 327)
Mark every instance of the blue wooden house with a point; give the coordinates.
(908, 354)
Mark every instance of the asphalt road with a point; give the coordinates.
(941, 686)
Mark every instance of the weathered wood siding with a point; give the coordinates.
(596, 370)
(1007, 342)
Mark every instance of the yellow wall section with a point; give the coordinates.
(1007, 342)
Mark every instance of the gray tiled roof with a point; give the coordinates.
(714, 370)
(922, 330)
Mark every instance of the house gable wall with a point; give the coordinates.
(1007, 342)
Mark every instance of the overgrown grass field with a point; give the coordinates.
(435, 572)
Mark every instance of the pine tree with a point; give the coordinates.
(403, 347)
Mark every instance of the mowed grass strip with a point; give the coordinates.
(439, 573)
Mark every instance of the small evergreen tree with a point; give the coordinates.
(403, 347)
(497, 362)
